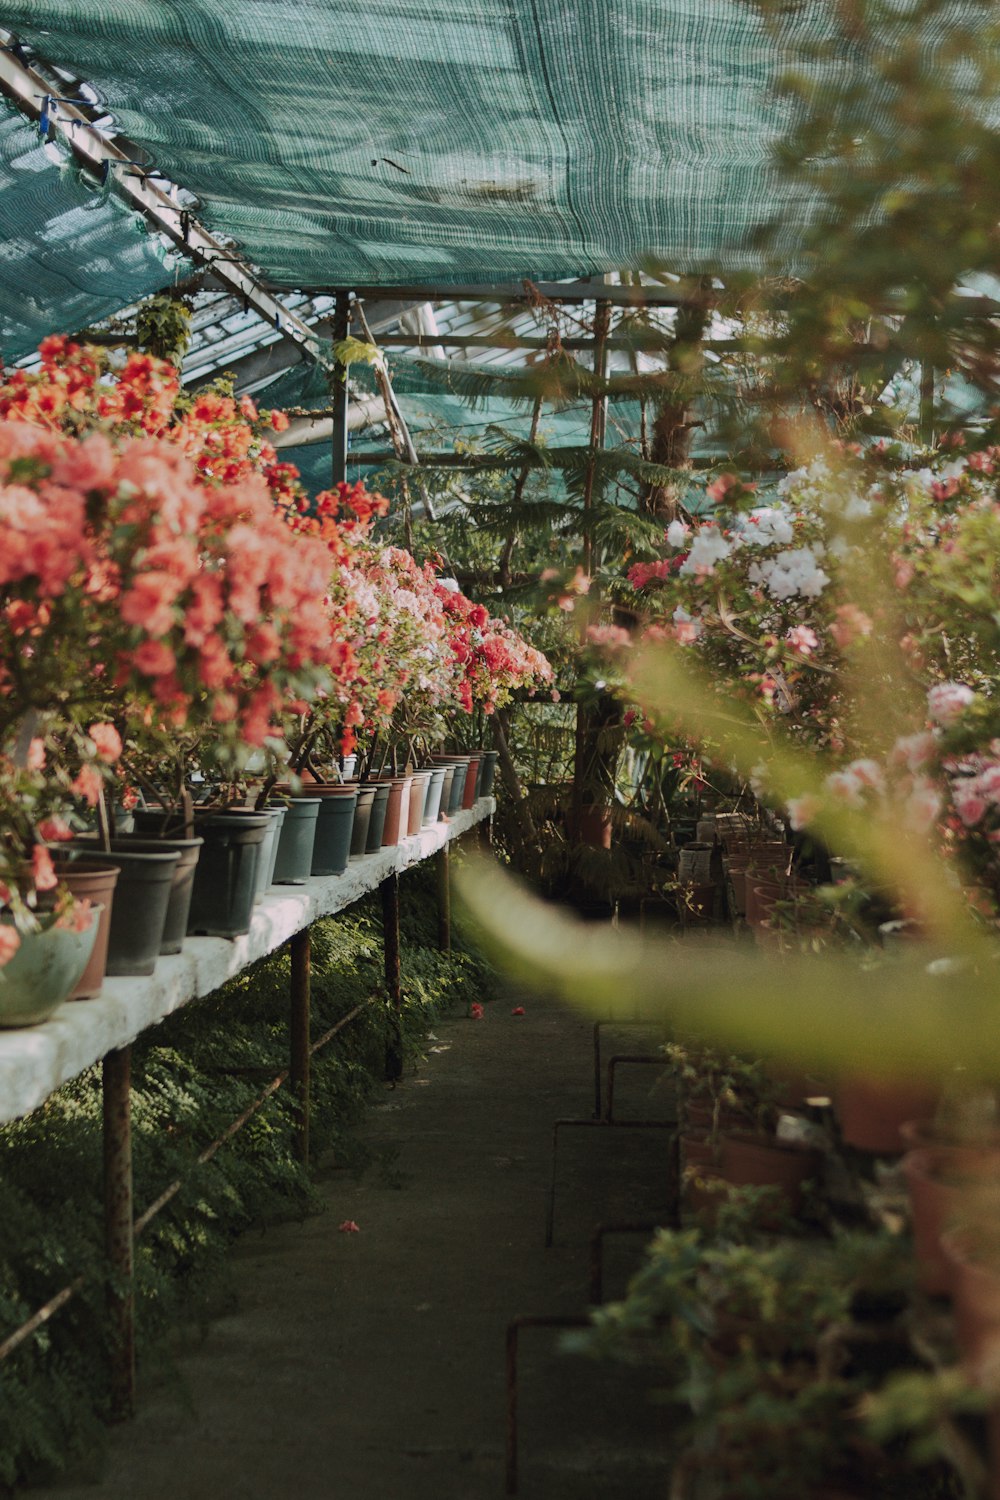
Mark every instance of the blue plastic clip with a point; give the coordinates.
(43, 118)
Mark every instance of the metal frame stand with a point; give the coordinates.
(116, 1073)
(609, 1021)
(550, 1211)
(300, 948)
(389, 890)
(513, 1332)
(443, 868)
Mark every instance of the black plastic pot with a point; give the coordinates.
(139, 911)
(363, 820)
(226, 874)
(293, 863)
(432, 802)
(376, 827)
(334, 829)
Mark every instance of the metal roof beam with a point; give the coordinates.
(33, 94)
(527, 292)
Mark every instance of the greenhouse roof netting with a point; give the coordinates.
(346, 144)
(68, 253)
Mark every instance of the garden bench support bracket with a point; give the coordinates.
(118, 1234)
(611, 1021)
(513, 1334)
(636, 1059)
(637, 1226)
(301, 955)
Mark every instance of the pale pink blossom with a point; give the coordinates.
(948, 700)
(107, 742)
(802, 639)
(10, 941)
(803, 810)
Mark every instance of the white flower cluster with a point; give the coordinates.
(708, 547)
(767, 526)
(794, 572)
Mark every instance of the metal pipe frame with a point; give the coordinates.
(608, 1021)
(514, 1328)
(32, 93)
(301, 954)
(389, 890)
(443, 871)
(558, 1125)
(116, 1083)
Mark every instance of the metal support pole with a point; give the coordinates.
(338, 391)
(486, 835)
(927, 404)
(118, 1239)
(444, 899)
(301, 953)
(390, 928)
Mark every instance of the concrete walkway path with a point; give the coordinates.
(371, 1365)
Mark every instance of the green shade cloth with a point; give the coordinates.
(69, 255)
(344, 143)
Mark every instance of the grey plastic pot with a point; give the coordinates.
(363, 821)
(179, 905)
(376, 826)
(142, 896)
(487, 772)
(432, 802)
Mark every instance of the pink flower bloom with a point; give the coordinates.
(36, 755)
(922, 805)
(43, 869)
(947, 700)
(969, 805)
(852, 623)
(10, 941)
(107, 741)
(476, 1011)
(348, 1227)
(54, 830)
(518, 1010)
(154, 659)
(913, 750)
(88, 784)
(803, 810)
(802, 639)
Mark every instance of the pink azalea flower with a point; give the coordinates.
(88, 784)
(518, 1010)
(803, 810)
(43, 869)
(348, 1227)
(802, 639)
(107, 741)
(476, 1011)
(54, 830)
(947, 700)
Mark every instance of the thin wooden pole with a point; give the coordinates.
(301, 955)
(118, 1235)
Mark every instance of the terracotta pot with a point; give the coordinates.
(940, 1181)
(975, 1290)
(471, 781)
(761, 1161)
(396, 812)
(872, 1110)
(95, 884)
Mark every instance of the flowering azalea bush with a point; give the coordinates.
(848, 613)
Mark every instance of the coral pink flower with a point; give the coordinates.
(518, 1010)
(54, 830)
(107, 741)
(154, 659)
(476, 1011)
(43, 869)
(947, 700)
(36, 755)
(88, 784)
(348, 1227)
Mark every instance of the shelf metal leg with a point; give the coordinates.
(301, 954)
(118, 1234)
(393, 983)
(444, 899)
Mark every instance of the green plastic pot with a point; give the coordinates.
(44, 971)
(142, 896)
(376, 826)
(363, 820)
(293, 863)
(334, 829)
(226, 875)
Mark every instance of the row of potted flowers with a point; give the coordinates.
(173, 609)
